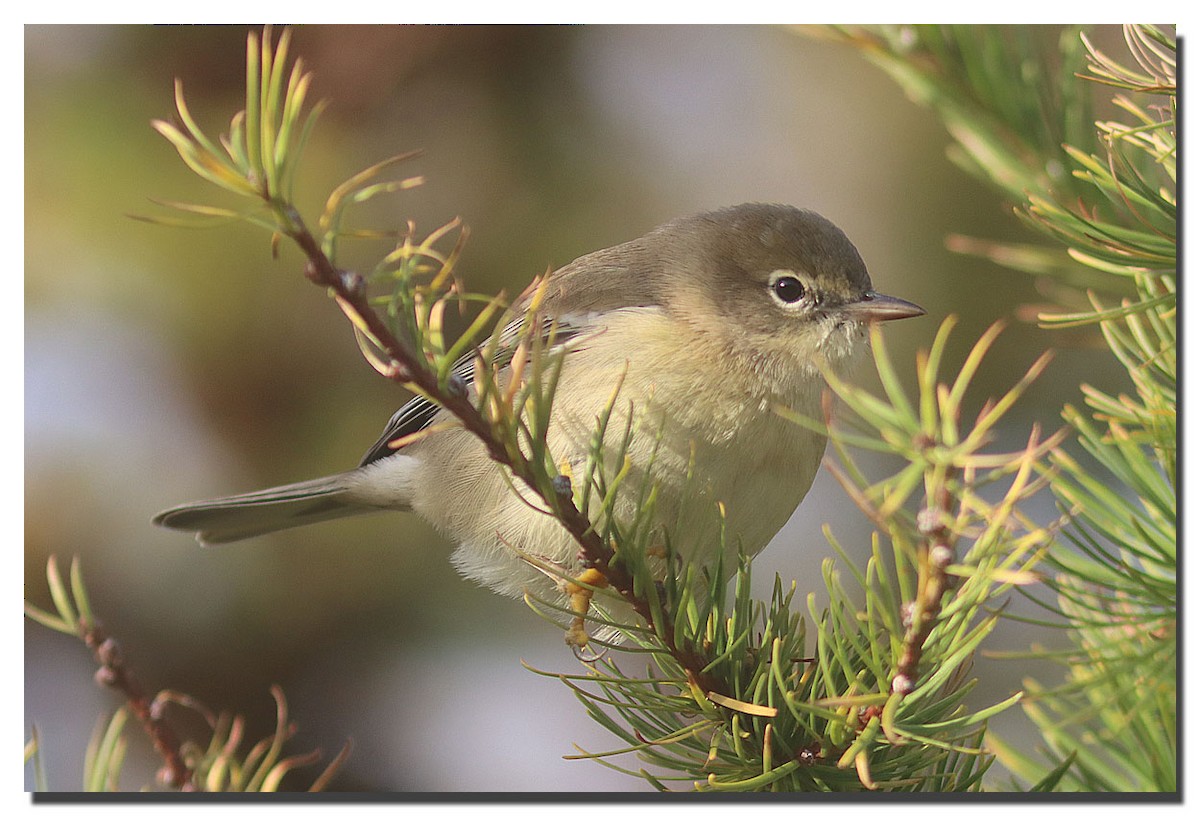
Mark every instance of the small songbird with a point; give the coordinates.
(703, 327)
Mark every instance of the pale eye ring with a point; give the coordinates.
(787, 288)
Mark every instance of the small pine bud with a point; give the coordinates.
(109, 652)
(941, 556)
(167, 778)
(929, 521)
(354, 283)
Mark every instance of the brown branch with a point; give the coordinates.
(407, 369)
(937, 555)
(116, 675)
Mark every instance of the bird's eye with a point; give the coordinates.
(787, 289)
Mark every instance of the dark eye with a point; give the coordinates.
(787, 289)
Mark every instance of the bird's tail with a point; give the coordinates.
(232, 518)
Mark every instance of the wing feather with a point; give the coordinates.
(598, 282)
(419, 412)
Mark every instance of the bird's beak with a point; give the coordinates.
(875, 306)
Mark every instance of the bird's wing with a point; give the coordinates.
(419, 412)
(619, 277)
(572, 296)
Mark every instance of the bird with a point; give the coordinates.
(702, 328)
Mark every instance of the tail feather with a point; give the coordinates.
(233, 518)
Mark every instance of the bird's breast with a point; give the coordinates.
(704, 425)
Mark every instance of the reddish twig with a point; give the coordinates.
(116, 675)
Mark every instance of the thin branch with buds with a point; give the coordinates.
(115, 674)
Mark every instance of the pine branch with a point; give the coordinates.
(1114, 222)
(186, 768)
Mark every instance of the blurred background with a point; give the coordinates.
(164, 364)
